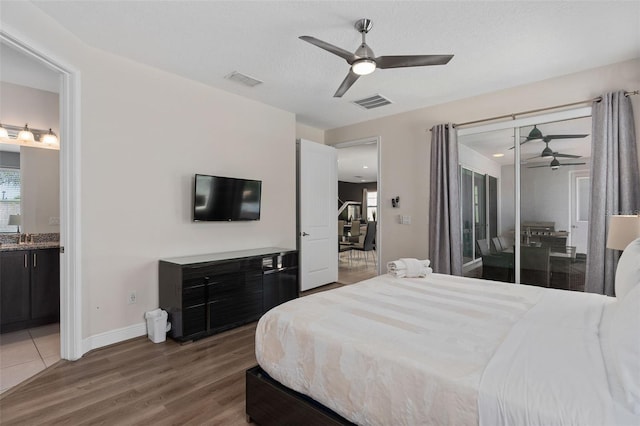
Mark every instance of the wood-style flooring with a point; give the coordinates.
(139, 382)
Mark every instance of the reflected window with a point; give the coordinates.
(9, 197)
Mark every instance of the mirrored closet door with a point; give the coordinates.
(525, 205)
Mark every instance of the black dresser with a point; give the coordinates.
(210, 293)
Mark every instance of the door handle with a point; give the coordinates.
(35, 260)
(304, 234)
(25, 260)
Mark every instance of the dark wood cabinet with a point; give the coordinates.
(29, 288)
(14, 287)
(45, 284)
(210, 293)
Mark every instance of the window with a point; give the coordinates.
(372, 205)
(9, 197)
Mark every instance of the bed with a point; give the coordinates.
(449, 350)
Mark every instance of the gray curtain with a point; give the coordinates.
(445, 239)
(615, 184)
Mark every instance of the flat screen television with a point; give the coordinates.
(218, 198)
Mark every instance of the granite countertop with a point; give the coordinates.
(32, 246)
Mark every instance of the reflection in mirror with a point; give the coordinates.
(554, 201)
(9, 187)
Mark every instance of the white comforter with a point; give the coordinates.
(442, 350)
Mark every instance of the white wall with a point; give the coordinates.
(309, 133)
(144, 134)
(39, 168)
(406, 142)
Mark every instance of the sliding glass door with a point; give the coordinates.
(524, 197)
(478, 205)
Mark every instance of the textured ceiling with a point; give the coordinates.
(496, 45)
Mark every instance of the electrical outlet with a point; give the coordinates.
(132, 297)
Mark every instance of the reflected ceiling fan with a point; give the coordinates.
(536, 135)
(548, 153)
(555, 164)
(364, 62)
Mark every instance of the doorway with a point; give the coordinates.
(358, 213)
(69, 182)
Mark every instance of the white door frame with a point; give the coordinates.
(70, 227)
(378, 141)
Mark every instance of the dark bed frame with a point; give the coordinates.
(271, 403)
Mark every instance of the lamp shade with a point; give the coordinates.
(4, 134)
(15, 219)
(25, 135)
(622, 230)
(49, 138)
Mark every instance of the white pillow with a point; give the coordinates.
(621, 349)
(628, 271)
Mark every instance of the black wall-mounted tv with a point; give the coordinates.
(227, 199)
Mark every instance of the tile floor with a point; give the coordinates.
(26, 352)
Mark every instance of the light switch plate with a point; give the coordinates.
(54, 220)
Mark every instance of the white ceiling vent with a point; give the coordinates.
(371, 102)
(243, 79)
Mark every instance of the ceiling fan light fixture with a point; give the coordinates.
(363, 66)
(534, 134)
(555, 164)
(547, 152)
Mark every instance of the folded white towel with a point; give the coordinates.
(409, 267)
(413, 266)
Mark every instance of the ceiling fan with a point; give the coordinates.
(536, 135)
(364, 62)
(548, 153)
(555, 164)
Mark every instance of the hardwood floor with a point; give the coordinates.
(139, 382)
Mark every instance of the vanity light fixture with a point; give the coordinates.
(498, 155)
(49, 138)
(25, 135)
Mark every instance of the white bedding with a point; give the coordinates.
(442, 350)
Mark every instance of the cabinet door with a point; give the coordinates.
(279, 287)
(14, 286)
(45, 283)
(235, 299)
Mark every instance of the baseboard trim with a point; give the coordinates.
(114, 336)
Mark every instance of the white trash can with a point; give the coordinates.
(157, 325)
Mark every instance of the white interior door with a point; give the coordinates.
(580, 190)
(318, 224)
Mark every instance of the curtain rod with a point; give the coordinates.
(514, 115)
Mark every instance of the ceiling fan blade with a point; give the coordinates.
(572, 164)
(347, 56)
(411, 61)
(565, 136)
(536, 167)
(556, 154)
(346, 84)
